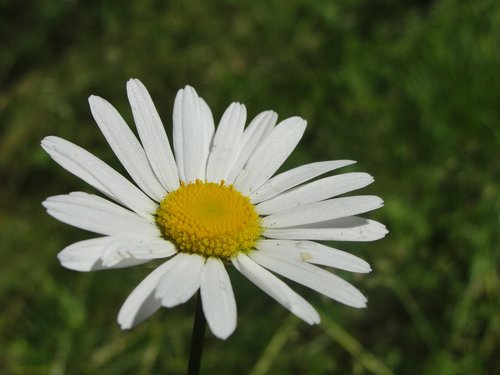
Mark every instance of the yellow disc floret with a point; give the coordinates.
(209, 219)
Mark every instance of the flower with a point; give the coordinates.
(211, 203)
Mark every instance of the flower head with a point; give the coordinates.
(210, 203)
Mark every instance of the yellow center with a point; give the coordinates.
(209, 219)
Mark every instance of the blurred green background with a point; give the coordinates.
(409, 89)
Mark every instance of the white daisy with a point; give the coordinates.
(211, 203)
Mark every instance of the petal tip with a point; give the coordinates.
(223, 335)
(189, 89)
(96, 102)
(124, 326)
(46, 140)
(134, 83)
(50, 142)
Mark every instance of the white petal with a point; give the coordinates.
(294, 177)
(153, 135)
(258, 129)
(95, 172)
(181, 280)
(226, 142)
(126, 147)
(316, 253)
(79, 162)
(276, 288)
(207, 121)
(84, 255)
(141, 303)
(217, 296)
(177, 133)
(193, 129)
(96, 214)
(322, 211)
(270, 154)
(315, 191)
(346, 229)
(113, 252)
(313, 277)
(123, 250)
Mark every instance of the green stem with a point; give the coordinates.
(197, 338)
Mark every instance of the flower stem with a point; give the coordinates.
(197, 338)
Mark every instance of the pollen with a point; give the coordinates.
(209, 219)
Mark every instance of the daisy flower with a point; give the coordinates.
(212, 202)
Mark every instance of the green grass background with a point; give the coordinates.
(411, 90)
